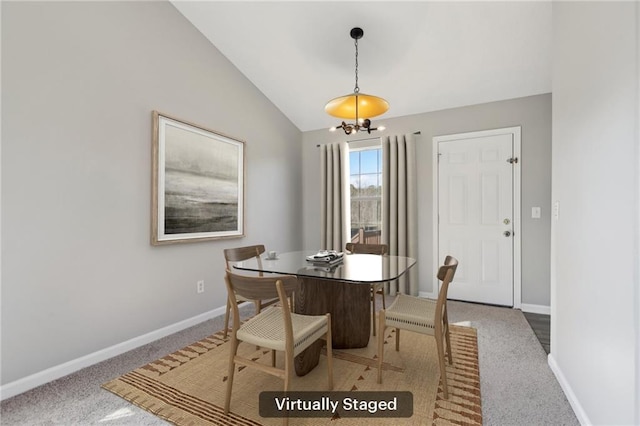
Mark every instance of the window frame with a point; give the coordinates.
(365, 145)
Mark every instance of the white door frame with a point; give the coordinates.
(517, 229)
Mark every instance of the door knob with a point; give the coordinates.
(507, 233)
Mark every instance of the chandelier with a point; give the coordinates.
(356, 106)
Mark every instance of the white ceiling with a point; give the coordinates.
(419, 56)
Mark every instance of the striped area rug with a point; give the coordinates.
(187, 387)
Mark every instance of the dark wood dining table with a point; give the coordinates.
(343, 290)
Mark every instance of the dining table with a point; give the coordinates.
(342, 289)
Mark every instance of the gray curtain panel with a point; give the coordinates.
(399, 206)
(334, 205)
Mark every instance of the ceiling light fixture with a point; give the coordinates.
(356, 105)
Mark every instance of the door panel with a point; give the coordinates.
(475, 190)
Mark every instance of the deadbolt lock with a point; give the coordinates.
(506, 221)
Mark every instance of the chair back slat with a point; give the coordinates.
(450, 262)
(238, 254)
(380, 249)
(254, 287)
(445, 274)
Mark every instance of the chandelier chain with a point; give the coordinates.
(356, 89)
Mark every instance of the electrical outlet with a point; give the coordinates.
(200, 286)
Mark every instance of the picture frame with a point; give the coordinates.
(198, 183)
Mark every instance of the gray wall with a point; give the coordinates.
(532, 113)
(595, 334)
(79, 82)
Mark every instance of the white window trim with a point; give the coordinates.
(364, 144)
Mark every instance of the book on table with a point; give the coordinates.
(326, 257)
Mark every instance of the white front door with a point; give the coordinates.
(476, 214)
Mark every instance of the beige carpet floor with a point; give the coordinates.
(188, 386)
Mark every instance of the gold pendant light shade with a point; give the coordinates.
(367, 106)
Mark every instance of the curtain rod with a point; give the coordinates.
(368, 139)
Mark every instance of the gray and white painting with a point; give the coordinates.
(202, 183)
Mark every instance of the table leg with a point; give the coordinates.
(350, 309)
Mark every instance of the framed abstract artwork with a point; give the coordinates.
(198, 183)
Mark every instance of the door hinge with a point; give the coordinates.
(512, 160)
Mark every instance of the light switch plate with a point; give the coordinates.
(535, 212)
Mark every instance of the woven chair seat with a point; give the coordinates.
(412, 313)
(266, 330)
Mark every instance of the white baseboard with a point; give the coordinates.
(22, 385)
(525, 307)
(568, 391)
(535, 309)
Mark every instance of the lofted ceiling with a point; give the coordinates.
(419, 56)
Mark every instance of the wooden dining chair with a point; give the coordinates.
(423, 316)
(377, 288)
(239, 254)
(275, 328)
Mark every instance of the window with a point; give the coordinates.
(365, 168)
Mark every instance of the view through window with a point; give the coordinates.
(365, 168)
